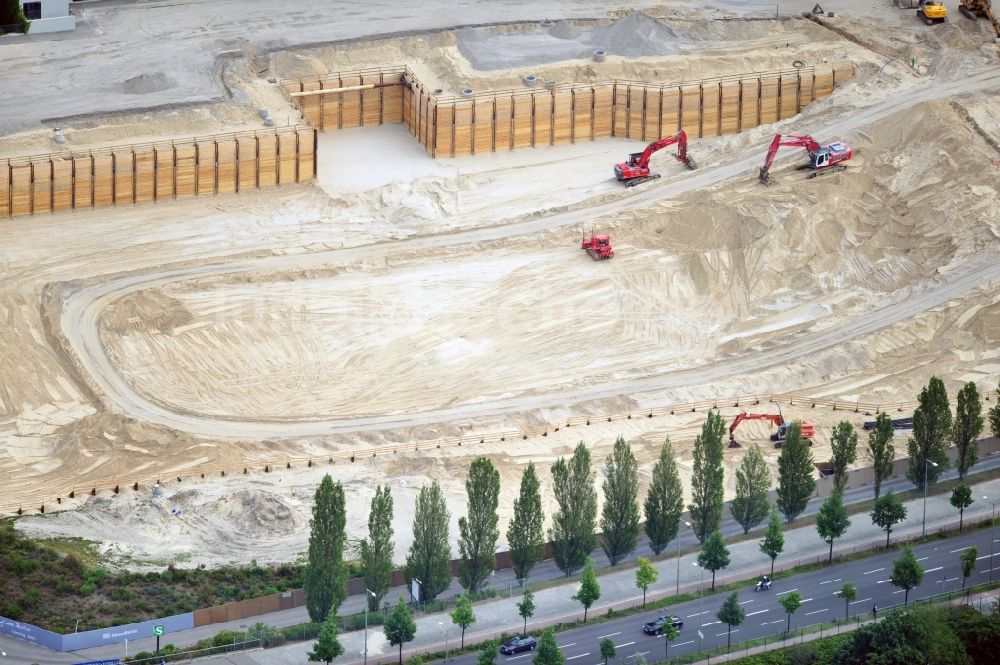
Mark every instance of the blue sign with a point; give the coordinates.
(112, 661)
(31, 634)
(93, 638)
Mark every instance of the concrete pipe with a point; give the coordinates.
(798, 64)
(269, 122)
(263, 113)
(531, 80)
(59, 137)
(599, 55)
(467, 92)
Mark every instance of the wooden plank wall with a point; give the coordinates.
(156, 171)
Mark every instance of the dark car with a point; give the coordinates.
(656, 627)
(518, 644)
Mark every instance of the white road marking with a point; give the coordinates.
(571, 644)
(931, 570)
(758, 612)
(523, 655)
(863, 600)
(789, 591)
(683, 643)
(873, 571)
(711, 623)
(985, 556)
(825, 609)
(923, 559)
(882, 581)
(960, 549)
(692, 615)
(950, 579)
(806, 600)
(627, 644)
(839, 579)
(580, 656)
(900, 591)
(745, 602)
(727, 632)
(768, 623)
(601, 637)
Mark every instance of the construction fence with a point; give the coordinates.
(138, 173)
(450, 126)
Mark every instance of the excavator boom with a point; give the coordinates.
(973, 9)
(820, 156)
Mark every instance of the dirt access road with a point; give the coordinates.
(83, 308)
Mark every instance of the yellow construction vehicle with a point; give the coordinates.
(973, 9)
(932, 11)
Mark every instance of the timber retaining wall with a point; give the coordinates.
(450, 126)
(138, 173)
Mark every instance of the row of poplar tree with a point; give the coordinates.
(573, 532)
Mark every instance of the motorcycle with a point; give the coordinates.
(763, 585)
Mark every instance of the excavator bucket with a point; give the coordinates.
(765, 175)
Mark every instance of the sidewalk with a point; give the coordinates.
(617, 587)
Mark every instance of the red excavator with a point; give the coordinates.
(636, 169)
(808, 431)
(822, 158)
(598, 246)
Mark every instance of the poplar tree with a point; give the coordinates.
(590, 589)
(664, 501)
(620, 513)
(844, 443)
(832, 521)
(795, 473)
(968, 427)
(376, 551)
(881, 450)
(573, 525)
(429, 558)
(932, 428)
(478, 533)
(525, 536)
(706, 477)
(326, 576)
(753, 481)
(995, 414)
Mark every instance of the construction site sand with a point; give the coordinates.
(760, 265)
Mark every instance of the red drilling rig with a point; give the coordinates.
(636, 169)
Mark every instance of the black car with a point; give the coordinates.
(656, 627)
(518, 644)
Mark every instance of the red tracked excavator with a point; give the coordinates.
(636, 169)
(822, 158)
(808, 430)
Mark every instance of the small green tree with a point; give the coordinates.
(795, 473)
(326, 575)
(376, 551)
(646, 575)
(548, 652)
(706, 477)
(832, 521)
(327, 645)
(664, 501)
(907, 573)
(731, 614)
(849, 593)
(525, 534)
(714, 555)
(968, 427)
(607, 649)
(478, 532)
(995, 414)
(773, 542)
(429, 558)
(791, 602)
(399, 627)
(932, 428)
(669, 635)
(526, 608)
(753, 481)
(620, 514)
(887, 512)
(881, 450)
(488, 652)
(961, 498)
(573, 525)
(463, 616)
(844, 443)
(967, 561)
(589, 590)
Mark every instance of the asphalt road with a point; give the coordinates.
(764, 616)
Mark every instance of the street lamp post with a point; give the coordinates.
(677, 592)
(445, 629)
(701, 597)
(366, 622)
(993, 522)
(923, 525)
